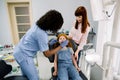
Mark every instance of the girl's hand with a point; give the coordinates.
(55, 73)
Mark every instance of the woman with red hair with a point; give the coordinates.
(79, 31)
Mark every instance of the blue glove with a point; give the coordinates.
(63, 44)
(52, 41)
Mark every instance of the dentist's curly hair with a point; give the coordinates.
(51, 21)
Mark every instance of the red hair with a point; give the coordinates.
(62, 34)
(81, 11)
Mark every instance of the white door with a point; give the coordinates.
(19, 19)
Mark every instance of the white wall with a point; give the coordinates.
(39, 7)
(103, 35)
(104, 32)
(66, 7)
(116, 38)
(5, 33)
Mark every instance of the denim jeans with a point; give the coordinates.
(67, 69)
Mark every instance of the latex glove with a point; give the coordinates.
(52, 41)
(63, 44)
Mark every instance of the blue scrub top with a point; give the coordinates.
(34, 40)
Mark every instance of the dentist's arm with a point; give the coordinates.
(53, 51)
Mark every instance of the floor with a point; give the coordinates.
(44, 67)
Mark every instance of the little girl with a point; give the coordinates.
(64, 63)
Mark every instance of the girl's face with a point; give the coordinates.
(61, 39)
(79, 19)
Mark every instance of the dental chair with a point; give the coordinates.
(88, 59)
(51, 59)
(5, 69)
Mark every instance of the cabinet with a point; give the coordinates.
(6, 54)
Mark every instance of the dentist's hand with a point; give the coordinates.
(63, 44)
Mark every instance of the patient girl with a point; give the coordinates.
(64, 63)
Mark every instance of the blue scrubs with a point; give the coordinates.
(34, 40)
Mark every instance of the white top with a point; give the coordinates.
(78, 37)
